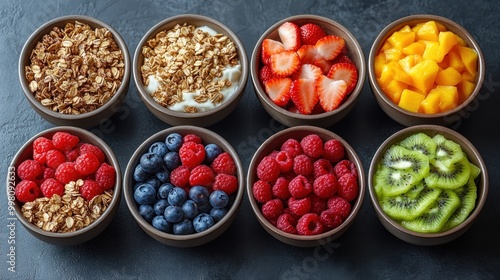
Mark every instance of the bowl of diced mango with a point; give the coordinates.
(425, 69)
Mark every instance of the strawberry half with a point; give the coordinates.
(270, 47)
(330, 46)
(266, 74)
(284, 63)
(309, 55)
(307, 71)
(310, 33)
(303, 95)
(289, 34)
(342, 58)
(278, 90)
(346, 72)
(331, 93)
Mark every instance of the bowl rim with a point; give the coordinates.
(429, 130)
(347, 35)
(187, 18)
(357, 203)
(128, 182)
(451, 25)
(61, 21)
(110, 159)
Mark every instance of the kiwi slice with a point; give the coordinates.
(420, 142)
(467, 195)
(447, 151)
(474, 170)
(400, 158)
(434, 218)
(448, 176)
(402, 207)
(392, 182)
(415, 190)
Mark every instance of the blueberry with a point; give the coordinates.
(159, 206)
(211, 152)
(172, 160)
(174, 142)
(153, 181)
(145, 194)
(190, 209)
(199, 194)
(159, 148)
(151, 162)
(163, 191)
(147, 212)
(177, 196)
(160, 223)
(218, 213)
(205, 208)
(203, 222)
(163, 175)
(218, 199)
(183, 227)
(139, 174)
(173, 214)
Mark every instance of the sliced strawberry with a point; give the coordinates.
(309, 55)
(331, 93)
(303, 95)
(323, 64)
(278, 90)
(307, 71)
(290, 35)
(266, 74)
(330, 46)
(342, 58)
(284, 63)
(310, 33)
(346, 72)
(270, 47)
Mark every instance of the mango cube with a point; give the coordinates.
(405, 28)
(455, 61)
(433, 51)
(400, 39)
(407, 63)
(428, 32)
(424, 74)
(465, 89)
(394, 89)
(469, 58)
(448, 97)
(447, 40)
(410, 100)
(379, 63)
(393, 54)
(430, 105)
(448, 77)
(414, 48)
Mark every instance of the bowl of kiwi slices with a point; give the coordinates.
(427, 184)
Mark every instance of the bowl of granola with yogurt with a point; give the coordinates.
(190, 70)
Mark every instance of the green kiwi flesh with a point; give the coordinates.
(448, 176)
(398, 157)
(420, 142)
(468, 196)
(446, 150)
(391, 182)
(402, 207)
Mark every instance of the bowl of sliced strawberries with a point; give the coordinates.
(307, 70)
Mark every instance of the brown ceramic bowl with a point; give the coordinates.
(87, 119)
(195, 239)
(408, 118)
(274, 143)
(428, 239)
(326, 119)
(200, 118)
(81, 235)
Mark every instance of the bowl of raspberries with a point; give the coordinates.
(306, 185)
(64, 185)
(184, 186)
(307, 70)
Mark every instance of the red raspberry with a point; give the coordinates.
(312, 145)
(321, 167)
(272, 209)
(293, 147)
(299, 207)
(86, 164)
(280, 189)
(90, 189)
(180, 176)
(54, 158)
(268, 169)
(27, 191)
(325, 186)
(300, 187)
(40, 146)
(348, 187)
(330, 220)
(309, 224)
(333, 150)
(286, 223)
(273, 154)
(224, 163)
(339, 206)
(226, 183)
(105, 176)
(318, 204)
(48, 173)
(29, 170)
(192, 138)
(66, 173)
(51, 186)
(201, 175)
(72, 154)
(345, 166)
(64, 141)
(89, 148)
(261, 191)
(284, 160)
(302, 165)
(192, 154)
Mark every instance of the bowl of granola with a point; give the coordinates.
(64, 185)
(190, 70)
(75, 70)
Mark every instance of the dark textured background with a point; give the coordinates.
(246, 251)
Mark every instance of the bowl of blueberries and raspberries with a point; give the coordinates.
(184, 186)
